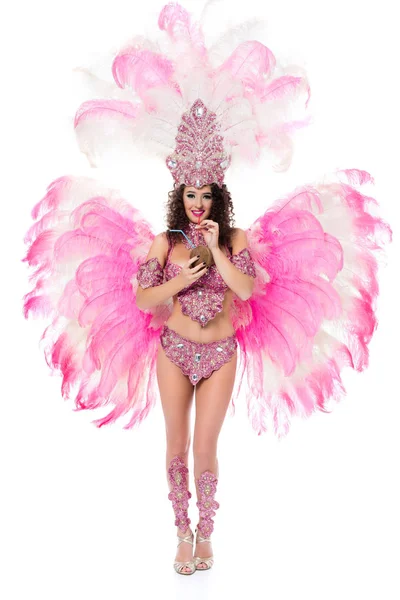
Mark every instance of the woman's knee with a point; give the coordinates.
(204, 455)
(178, 444)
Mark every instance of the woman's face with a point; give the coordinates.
(197, 200)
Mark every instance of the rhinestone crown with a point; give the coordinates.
(199, 157)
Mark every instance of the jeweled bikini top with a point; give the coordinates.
(202, 299)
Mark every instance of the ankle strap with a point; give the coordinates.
(186, 538)
(200, 538)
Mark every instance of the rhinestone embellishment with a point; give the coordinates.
(195, 299)
(199, 148)
(197, 360)
(179, 495)
(219, 349)
(207, 504)
(150, 273)
(202, 301)
(179, 345)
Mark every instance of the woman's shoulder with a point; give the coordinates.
(238, 240)
(237, 230)
(165, 238)
(160, 243)
(237, 234)
(161, 238)
(240, 233)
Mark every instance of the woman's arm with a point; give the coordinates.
(240, 283)
(158, 293)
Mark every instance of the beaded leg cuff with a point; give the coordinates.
(207, 506)
(177, 474)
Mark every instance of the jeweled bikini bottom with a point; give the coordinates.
(197, 360)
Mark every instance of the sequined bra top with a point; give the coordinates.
(202, 299)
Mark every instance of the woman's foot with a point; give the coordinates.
(184, 551)
(203, 550)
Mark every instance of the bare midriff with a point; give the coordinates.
(217, 328)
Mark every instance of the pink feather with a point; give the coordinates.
(314, 313)
(96, 326)
(176, 22)
(283, 86)
(98, 109)
(250, 62)
(142, 70)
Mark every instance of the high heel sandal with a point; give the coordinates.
(177, 474)
(178, 564)
(209, 561)
(207, 484)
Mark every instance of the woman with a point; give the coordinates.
(311, 312)
(213, 392)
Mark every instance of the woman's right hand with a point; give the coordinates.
(188, 274)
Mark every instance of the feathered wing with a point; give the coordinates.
(86, 247)
(312, 311)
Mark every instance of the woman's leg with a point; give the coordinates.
(176, 394)
(212, 400)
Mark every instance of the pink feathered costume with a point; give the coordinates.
(315, 251)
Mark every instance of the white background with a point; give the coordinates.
(84, 511)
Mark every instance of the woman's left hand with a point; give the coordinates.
(210, 231)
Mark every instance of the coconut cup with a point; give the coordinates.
(205, 255)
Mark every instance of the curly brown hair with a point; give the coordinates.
(221, 211)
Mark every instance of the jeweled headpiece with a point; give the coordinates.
(199, 158)
(204, 107)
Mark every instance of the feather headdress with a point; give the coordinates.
(247, 99)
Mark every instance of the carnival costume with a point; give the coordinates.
(313, 254)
